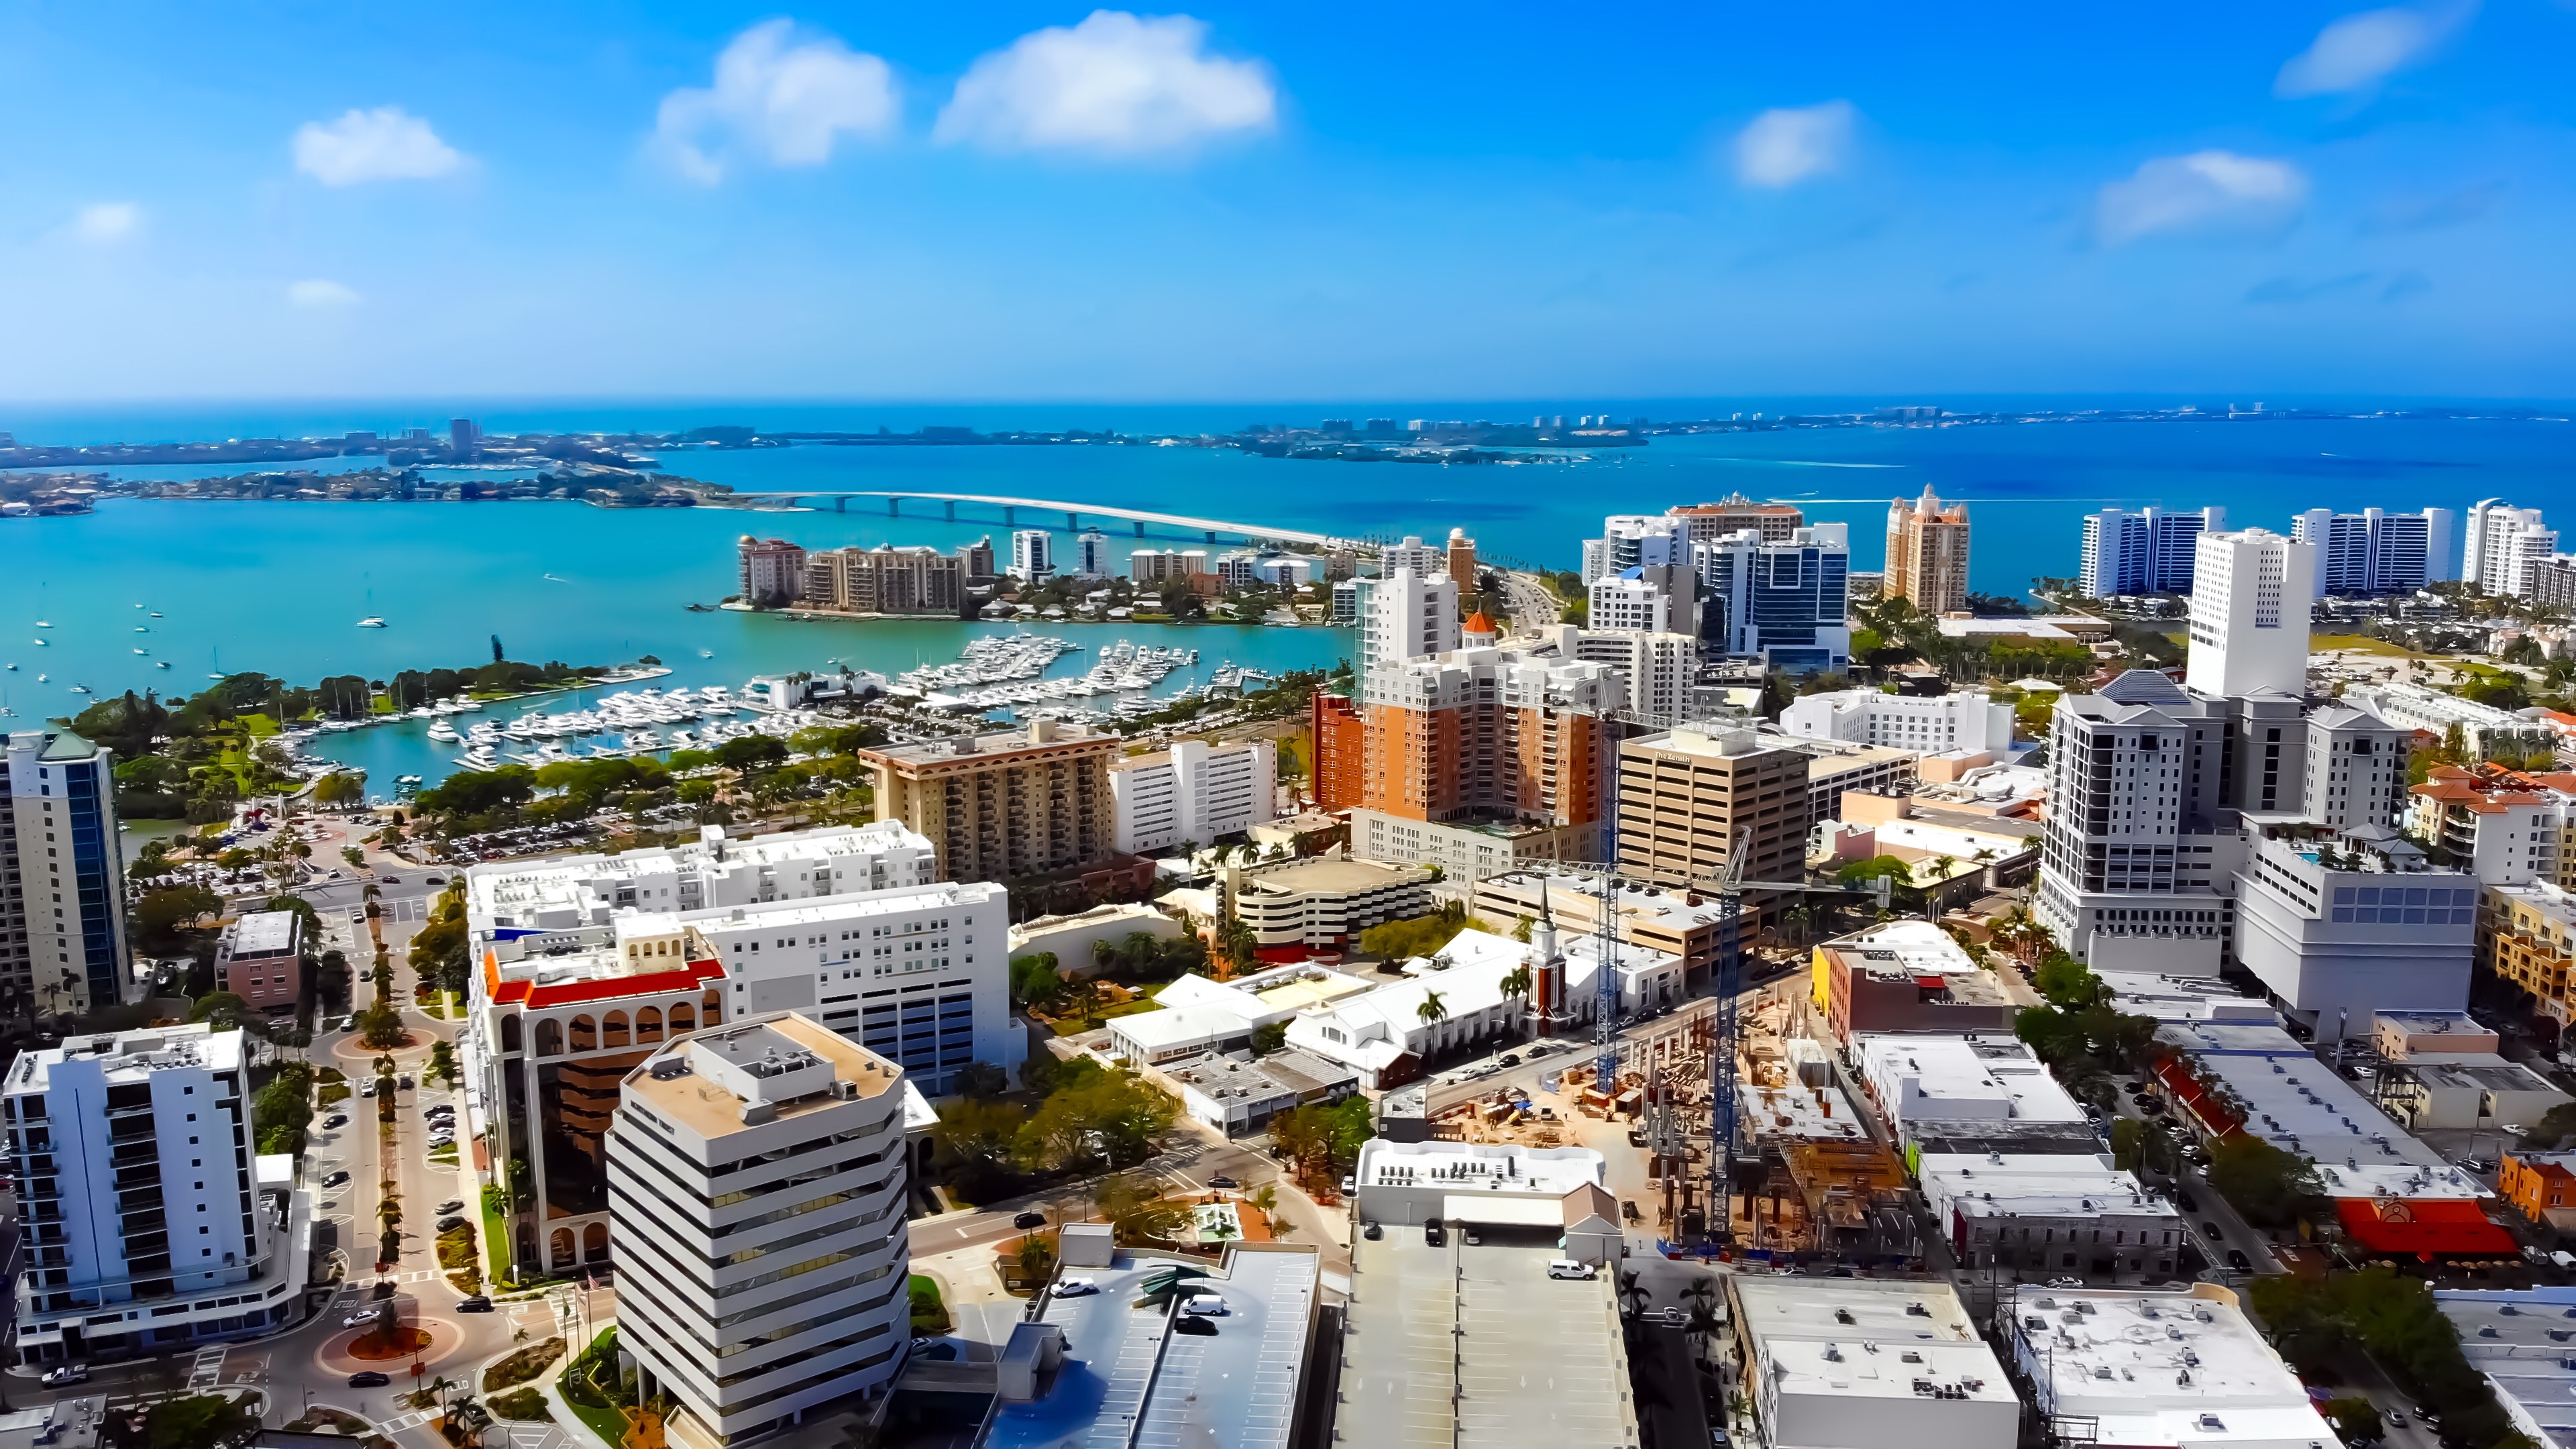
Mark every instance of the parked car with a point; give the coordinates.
(1350, 1185)
(1511, 1059)
(70, 1373)
(2211, 1227)
(405, 1084)
(450, 1223)
(363, 1318)
(1668, 1317)
(370, 1379)
(2065, 1282)
(452, 1205)
(1028, 1221)
(934, 1350)
(1075, 1287)
(336, 1119)
(2237, 1260)
(1205, 1305)
(1195, 1327)
(1568, 1268)
(1372, 1232)
(2183, 1200)
(1474, 1241)
(1433, 1235)
(1221, 1180)
(334, 1179)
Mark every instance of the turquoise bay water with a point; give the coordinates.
(279, 587)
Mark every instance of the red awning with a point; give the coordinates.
(2425, 1227)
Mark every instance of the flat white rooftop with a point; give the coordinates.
(2160, 1368)
(2294, 1101)
(2512, 1338)
(1857, 1338)
(1479, 1166)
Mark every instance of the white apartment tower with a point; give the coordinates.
(1969, 719)
(2356, 770)
(2251, 593)
(2147, 552)
(2377, 552)
(62, 877)
(2503, 542)
(1032, 554)
(757, 1179)
(1091, 554)
(149, 1222)
(2135, 868)
(1195, 792)
(1426, 560)
(1628, 600)
(1405, 615)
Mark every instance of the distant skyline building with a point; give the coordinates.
(62, 876)
(1708, 522)
(2377, 552)
(1927, 554)
(2503, 545)
(1091, 554)
(1785, 602)
(464, 437)
(771, 570)
(1426, 560)
(2142, 551)
(1032, 554)
(1461, 561)
(2249, 614)
(1628, 600)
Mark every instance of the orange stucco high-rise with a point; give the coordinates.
(1484, 735)
(1341, 747)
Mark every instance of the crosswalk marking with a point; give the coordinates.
(206, 1369)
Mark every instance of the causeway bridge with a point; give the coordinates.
(1073, 513)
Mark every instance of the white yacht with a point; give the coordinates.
(444, 733)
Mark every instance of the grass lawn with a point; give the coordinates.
(1075, 1025)
(2360, 644)
(496, 1244)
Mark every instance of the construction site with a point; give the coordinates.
(1808, 1175)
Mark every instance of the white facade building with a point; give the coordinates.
(2503, 542)
(2044, 1214)
(2342, 925)
(1947, 1080)
(1628, 600)
(1032, 555)
(1968, 719)
(2158, 1370)
(2250, 598)
(2356, 769)
(62, 876)
(1596, 560)
(1651, 539)
(1657, 668)
(2377, 552)
(1422, 560)
(2146, 552)
(1404, 615)
(1852, 1363)
(1091, 554)
(1193, 791)
(2484, 729)
(149, 1222)
(758, 1174)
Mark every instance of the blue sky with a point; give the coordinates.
(1284, 202)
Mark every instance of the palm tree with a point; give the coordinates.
(1432, 1009)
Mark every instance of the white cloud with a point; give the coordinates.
(2359, 51)
(1787, 145)
(1116, 84)
(106, 221)
(784, 101)
(385, 144)
(2206, 191)
(320, 294)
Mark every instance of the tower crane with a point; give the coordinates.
(1729, 891)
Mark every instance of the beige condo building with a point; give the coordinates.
(1927, 554)
(1003, 806)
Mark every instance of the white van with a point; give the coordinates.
(1568, 1268)
(1206, 1305)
